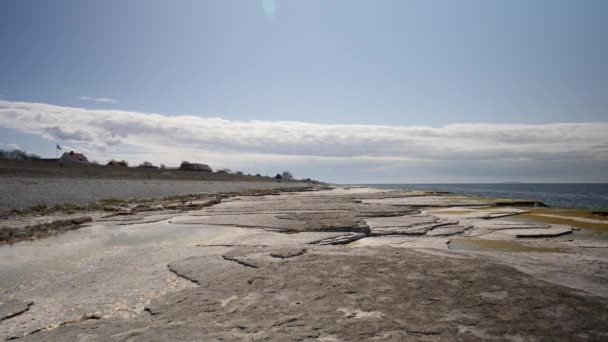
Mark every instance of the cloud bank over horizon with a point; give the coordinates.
(341, 152)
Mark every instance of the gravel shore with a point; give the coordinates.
(25, 192)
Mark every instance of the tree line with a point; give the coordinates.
(18, 155)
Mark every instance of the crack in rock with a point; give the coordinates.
(54, 326)
(12, 308)
(181, 275)
(239, 261)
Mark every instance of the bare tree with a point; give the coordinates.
(287, 175)
(18, 155)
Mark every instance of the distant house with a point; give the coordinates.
(195, 167)
(73, 158)
(121, 163)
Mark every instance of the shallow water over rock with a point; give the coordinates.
(497, 246)
(31, 260)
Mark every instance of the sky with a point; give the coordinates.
(342, 91)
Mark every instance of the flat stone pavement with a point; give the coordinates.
(339, 294)
(276, 281)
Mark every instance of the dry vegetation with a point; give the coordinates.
(26, 168)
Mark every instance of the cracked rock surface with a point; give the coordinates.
(13, 307)
(348, 264)
(339, 294)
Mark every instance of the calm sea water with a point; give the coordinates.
(570, 195)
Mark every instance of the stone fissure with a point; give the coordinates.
(239, 261)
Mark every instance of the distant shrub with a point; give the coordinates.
(226, 171)
(239, 173)
(147, 165)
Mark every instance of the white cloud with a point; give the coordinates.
(98, 99)
(354, 151)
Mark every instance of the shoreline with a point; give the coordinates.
(26, 192)
(42, 221)
(62, 217)
(340, 263)
(593, 196)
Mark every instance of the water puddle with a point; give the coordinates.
(583, 231)
(497, 246)
(30, 260)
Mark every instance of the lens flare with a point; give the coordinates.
(270, 8)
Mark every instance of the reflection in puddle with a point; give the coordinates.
(497, 246)
(31, 259)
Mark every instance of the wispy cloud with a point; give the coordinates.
(354, 151)
(98, 99)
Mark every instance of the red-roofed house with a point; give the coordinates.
(73, 158)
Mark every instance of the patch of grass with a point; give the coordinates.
(12, 235)
(67, 207)
(39, 208)
(111, 201)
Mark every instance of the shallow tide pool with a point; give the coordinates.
(30, 260)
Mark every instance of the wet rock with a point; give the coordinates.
(554, 230)
(286, 253)
(448, 230)
(503, 225)
(474, 213)
(339, 240)
(400, 221)
(418, 229)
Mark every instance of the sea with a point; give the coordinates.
(563, 195)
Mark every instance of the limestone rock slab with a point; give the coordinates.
(384, 294)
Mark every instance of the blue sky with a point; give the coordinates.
(372, 63)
